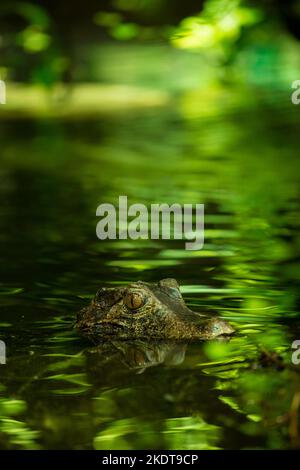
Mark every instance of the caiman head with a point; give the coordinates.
(146, 311)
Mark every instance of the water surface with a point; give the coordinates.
(235, 152)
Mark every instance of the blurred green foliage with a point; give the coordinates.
(218, 29)
(43, 44)
(29, 48)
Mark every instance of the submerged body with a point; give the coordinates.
(146, 311)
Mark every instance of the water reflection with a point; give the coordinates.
(137, 355)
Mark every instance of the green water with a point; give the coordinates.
(238, 153)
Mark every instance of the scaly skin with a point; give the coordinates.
(146, 311)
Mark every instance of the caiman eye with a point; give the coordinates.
(134, 300)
